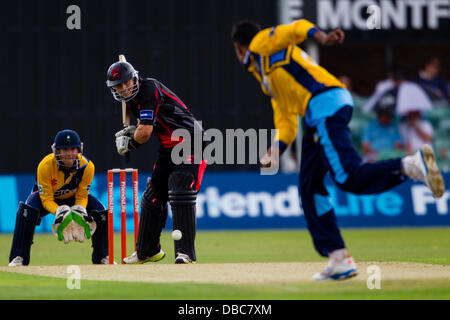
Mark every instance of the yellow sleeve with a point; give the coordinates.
(45, 187)
(81, 196)
(285, 123)
(273, 40)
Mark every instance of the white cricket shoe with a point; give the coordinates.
(422, 166)
(133, 259)
(183, 259)
(335, 270)
(16, 262)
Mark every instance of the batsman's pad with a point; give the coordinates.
(26, 220)
(150, 224)
(182, 200)
(100, 237)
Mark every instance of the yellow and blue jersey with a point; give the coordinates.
(287, 73)
(53, 183)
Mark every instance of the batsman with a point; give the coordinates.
(62, 189)
(159, 111)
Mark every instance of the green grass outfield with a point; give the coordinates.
(420, 245)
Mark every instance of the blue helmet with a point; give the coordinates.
(67, 139)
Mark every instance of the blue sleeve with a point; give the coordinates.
(312, 32)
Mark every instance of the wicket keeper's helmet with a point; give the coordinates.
(120, 72)
(67, 139)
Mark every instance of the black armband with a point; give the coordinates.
(133, 144)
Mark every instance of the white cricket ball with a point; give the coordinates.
(176, 235)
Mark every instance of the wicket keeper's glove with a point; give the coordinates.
(63, 225)
(85, 224)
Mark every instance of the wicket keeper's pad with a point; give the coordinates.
(26, 220)
(100, 236)
(182, 201)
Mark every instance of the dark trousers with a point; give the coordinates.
(327, 147)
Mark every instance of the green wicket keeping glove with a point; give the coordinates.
(83, 220)
(63, 225)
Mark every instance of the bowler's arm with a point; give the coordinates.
(330, 38)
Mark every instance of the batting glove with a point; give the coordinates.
(122, 143)
(127, 131)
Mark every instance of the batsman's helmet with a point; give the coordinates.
(120, 72)
(66, 139)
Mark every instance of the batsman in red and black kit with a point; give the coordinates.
(159, 111)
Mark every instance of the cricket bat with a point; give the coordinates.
(125, 113)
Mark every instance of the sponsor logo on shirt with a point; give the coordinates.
(146, 115)
(62, 192)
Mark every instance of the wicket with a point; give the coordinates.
(123, 210)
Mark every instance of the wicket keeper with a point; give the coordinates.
(298, 86)
(159, 111)
(62, 189)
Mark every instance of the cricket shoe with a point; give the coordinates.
(422, 166)
(105, 260)
(16, 262)
(335, 270)
(134, 259)
(183, 259)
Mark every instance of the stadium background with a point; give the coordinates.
(54, 78)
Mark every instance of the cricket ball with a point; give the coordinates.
(176, 235)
